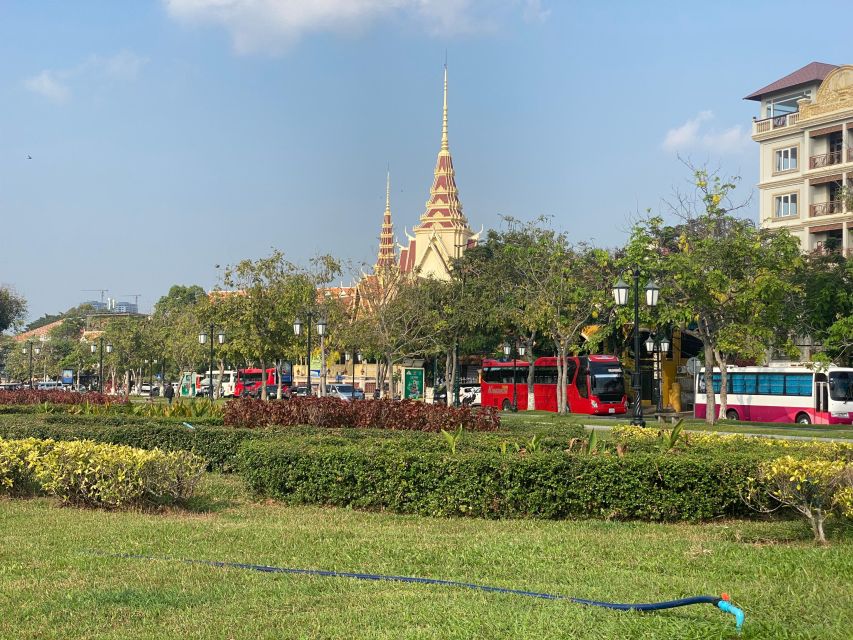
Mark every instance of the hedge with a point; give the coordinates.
(34, 396)
(491, 485)
(96, 474)
(327, 412)
(217, 445)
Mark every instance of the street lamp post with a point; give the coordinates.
(24, 352)
(658, 347)
(355, 356)
(204, 338)
(93, 349)
(519, 351)
(620, 294)
(321, 331)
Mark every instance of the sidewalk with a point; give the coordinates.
(607, 427)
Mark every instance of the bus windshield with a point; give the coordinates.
(606, 380)
(841, 385)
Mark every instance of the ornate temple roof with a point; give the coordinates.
(443, 209)
(387, 250)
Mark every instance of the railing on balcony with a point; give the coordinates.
(826, 208)
(776, 122)
(826, 160)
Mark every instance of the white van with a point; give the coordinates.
(49, 385)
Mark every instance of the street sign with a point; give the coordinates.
(413, 384)
(693, 366)
(68, 376)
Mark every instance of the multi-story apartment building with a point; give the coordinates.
(805, 130)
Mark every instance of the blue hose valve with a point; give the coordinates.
(727, 607)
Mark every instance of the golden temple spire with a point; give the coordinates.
(388, 192)
(387, 250)
(444, 144)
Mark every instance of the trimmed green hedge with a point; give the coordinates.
(491, 485)
(219, 445)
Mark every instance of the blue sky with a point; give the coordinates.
(171, 136)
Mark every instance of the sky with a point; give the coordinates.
(151, 143)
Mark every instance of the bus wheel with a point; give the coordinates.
(507, 405)
(803, 418)
(731, 414)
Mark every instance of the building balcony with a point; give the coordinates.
(826, 208)
(777, 122)
(828, 159)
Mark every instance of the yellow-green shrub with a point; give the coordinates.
(814, 487)
(89, 473)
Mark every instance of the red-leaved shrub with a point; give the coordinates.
(365, 414)
(34, 396)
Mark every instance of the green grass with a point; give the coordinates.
(540, 419)
(53, 586)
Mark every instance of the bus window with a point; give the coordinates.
(581, 384)
(841, 386)
(744, 382)
(798, 384)
(771, 384)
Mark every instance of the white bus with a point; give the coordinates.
(783, 394)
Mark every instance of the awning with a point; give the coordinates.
(825, 131)
(825, 227)
(835, 177)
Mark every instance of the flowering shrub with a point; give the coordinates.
(814, 487)
(99, 475)
(647, 439)
(374, 414)
(34, 396)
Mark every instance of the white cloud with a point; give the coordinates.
(533, 11)
(274, 25)
(55, 84)
(125, 64)
(695, 134)
(50, 86)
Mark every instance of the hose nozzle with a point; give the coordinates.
(727, 607)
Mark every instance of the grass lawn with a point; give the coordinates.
(533, 419)
(52, 586)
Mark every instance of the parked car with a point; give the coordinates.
(146, 389)
(301, 390)
(272, 392)
(344, 392)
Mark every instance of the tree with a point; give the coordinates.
(721, 279)
(13, 308)
(825, 312)
(269, 294)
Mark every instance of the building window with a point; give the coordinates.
(785, 206)
(786, 159)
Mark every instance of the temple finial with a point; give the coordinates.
(444, 145)
(388, 191)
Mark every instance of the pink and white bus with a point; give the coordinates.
(783, 394)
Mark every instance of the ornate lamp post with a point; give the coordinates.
(321, 331)
(620, 294)
(356, 357)
(519, 351)
(203, 338)
(24, 350)
(658, 347)
(93, 349)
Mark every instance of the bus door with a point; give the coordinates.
(821, 399)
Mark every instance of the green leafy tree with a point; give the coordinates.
(721, 279)
(269, 294)
(13, 308)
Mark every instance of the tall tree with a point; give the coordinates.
(13, 308)
(721, 279)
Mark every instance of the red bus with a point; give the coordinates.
(596, 384)
(249, 380)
